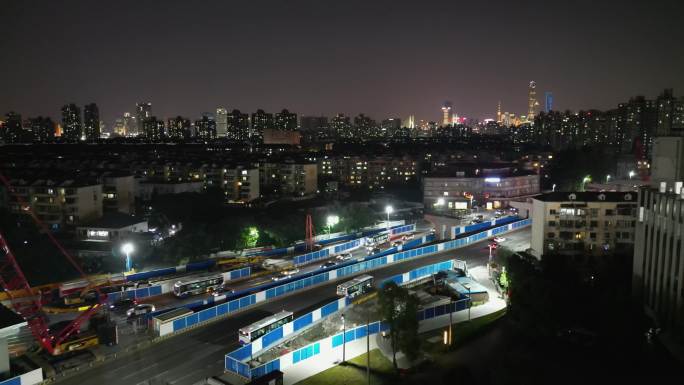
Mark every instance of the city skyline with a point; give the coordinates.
(297, 80)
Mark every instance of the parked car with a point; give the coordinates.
(222, 290)
(122, 303)
(140, 309)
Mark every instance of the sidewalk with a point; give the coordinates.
(327, 360)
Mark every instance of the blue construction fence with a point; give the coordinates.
(419, 273)
(332, 250)
(151, 291)
(234, 360)
(267, 291)
(436, 311)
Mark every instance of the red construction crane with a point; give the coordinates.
(28, 303)
(309, 233)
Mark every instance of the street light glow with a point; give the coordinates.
(440, 202)
(389, 209)
(332, 220)
(127, 248)
(631, 174)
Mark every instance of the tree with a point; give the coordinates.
(398, 309)
(248, 237)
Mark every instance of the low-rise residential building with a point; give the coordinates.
(490, 188)
(146, 189)
(59, 204)
(583, 223)
(112, 227)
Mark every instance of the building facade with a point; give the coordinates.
(578, 223)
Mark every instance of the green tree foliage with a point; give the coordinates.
(398, 309)
(572, 165)
(248, 237)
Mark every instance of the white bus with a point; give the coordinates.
(197, 285)
(357, 286)
(259, 328)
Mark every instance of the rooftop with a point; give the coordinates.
(115, 221)
(588, 196)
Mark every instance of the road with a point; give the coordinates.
(191, 356)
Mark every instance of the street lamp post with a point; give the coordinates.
(388, 209)
(470, 300)
(344, 338)
(331, 221)
(584, 182)
(127, 249)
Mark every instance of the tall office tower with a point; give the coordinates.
(446, 113)
(498, 112)
(130, 124)
(409, 122)
(286, 121)
(531, 101)
(206, 127)
(221, 122)
(43, 129)
(143, 110)
(238, 126)
(71, 121)
(119, 128)
(179, 128)
(12, 130)
(91, 122)
(260, 121)
(341, 126)
(153, 129)
(548, 101)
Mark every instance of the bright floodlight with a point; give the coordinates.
(127, 248)
(631, 174)
(333, 220)
(440, 202)
(389, 209)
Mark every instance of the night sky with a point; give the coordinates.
(382, 58)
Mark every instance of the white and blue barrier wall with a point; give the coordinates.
(33, 377)
(345, 247)
(234, 361)
(246, 298)
(167, 287)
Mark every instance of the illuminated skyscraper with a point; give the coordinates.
(409, 122)
(221, 122)
(446, 113)
(498, 112)
(179, 128)
(531, 101)
(285, 121)
(143, 110)
(341, 126)
(238, 126)
(548, 101)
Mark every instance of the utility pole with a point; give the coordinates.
(368, 345)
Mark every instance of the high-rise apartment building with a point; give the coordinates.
(315, 128)
(43, 129)
(532, 102)
(238, 126)
(285, 121)
(658, 268)
(153, 129)
(179, 128)
(390, 127)
(12, 130)
(341, 127)
(71, 122)
(221, 122)
(206, 127)
(91, 122)
(260, 121)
